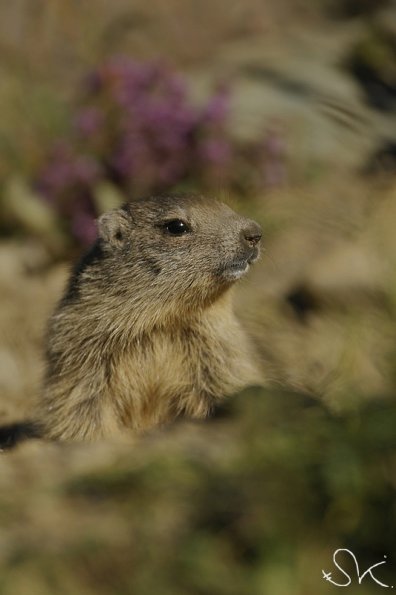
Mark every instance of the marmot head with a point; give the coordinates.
(178, 248)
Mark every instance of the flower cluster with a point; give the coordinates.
(135, 127)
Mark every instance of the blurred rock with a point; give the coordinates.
(299, 85)
(372, 63)
(348, 273)
(383, 160)
(356, 8)
(22, 209)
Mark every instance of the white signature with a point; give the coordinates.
(360, 577)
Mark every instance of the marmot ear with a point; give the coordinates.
(113, 227)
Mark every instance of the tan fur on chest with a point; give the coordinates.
(182, 371)
(147, 381)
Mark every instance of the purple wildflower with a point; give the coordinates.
(89, 121)
(83, 226)
(135, 126)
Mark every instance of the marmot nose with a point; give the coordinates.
(251, 233)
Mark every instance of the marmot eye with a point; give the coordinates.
(176, 227)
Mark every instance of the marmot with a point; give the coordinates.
(145, 331)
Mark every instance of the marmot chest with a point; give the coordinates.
(171, 363)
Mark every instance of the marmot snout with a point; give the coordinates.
(146, 331)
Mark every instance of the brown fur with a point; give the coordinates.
(146, 331)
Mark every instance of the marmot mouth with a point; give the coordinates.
(238, 268)
(253, 257)
(235, 272)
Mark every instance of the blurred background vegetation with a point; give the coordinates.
(287, 110)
